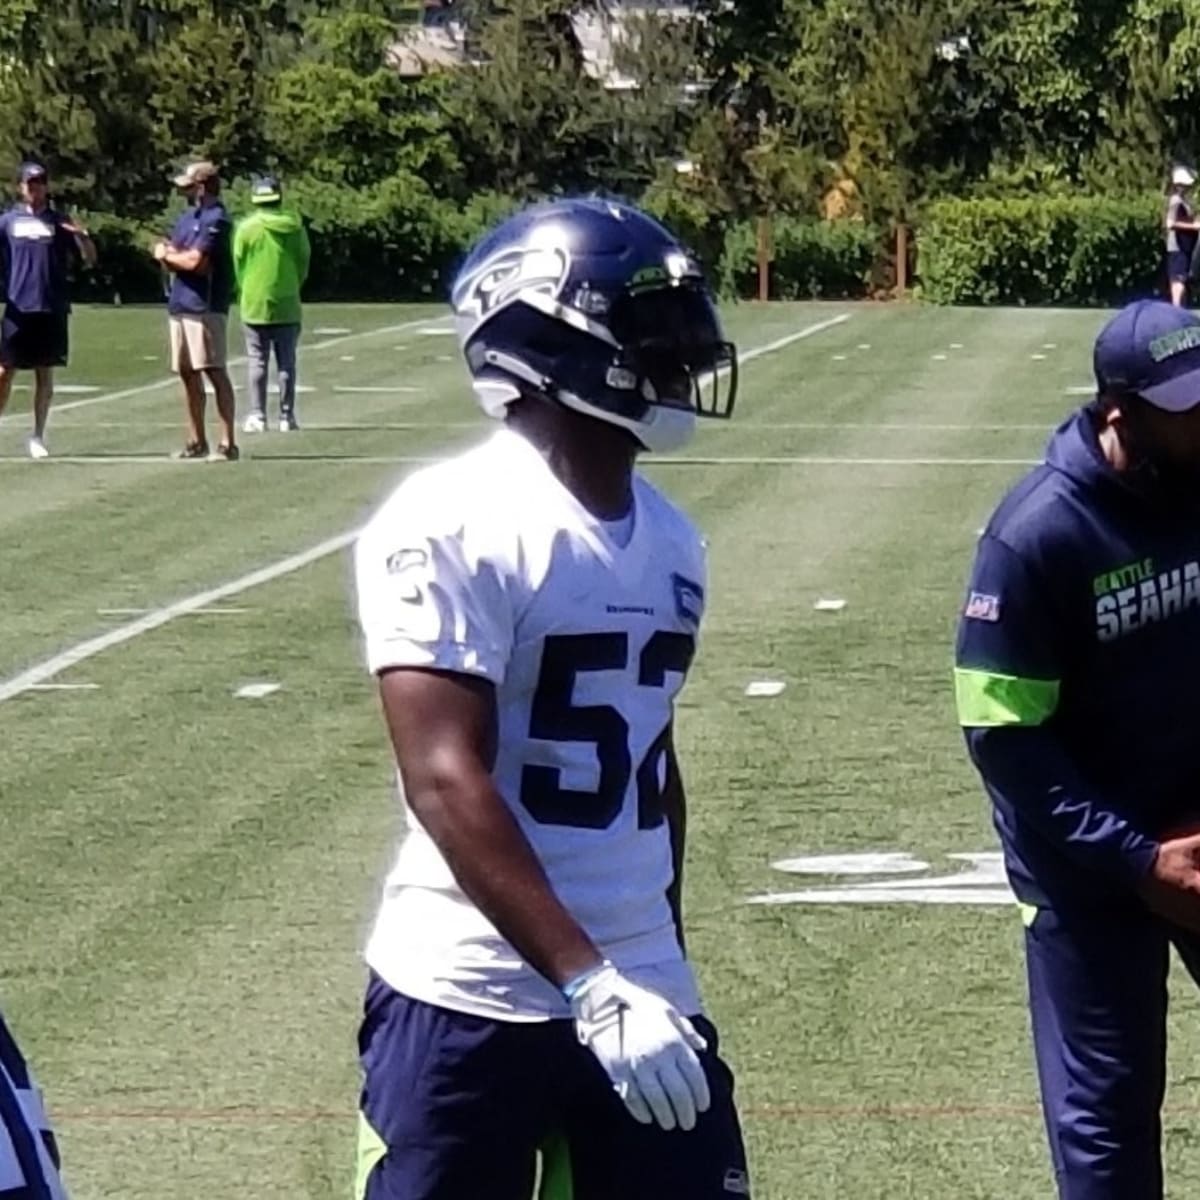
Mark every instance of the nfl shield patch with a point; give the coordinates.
(982, 607)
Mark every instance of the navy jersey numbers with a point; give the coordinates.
(553, 717)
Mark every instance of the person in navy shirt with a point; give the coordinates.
(198, 255)
(1077, 660)
(37, 244)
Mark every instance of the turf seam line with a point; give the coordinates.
(166, 381)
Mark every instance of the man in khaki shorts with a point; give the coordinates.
(198, 257)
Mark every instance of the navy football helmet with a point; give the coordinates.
(595, 305)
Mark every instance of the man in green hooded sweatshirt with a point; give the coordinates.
(270, 262)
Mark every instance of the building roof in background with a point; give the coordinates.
(440, 40)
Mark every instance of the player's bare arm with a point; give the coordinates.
(443, 728)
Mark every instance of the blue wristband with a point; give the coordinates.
(575, 985)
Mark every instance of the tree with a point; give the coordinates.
(339, 114)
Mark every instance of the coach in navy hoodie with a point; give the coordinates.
(1078, 687)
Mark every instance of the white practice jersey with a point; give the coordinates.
(487, 565)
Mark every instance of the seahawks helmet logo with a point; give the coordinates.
(507, 276)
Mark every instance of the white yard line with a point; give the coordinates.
(819, 460)
(43, 672)
(481, 422)
(383, 460)
(167, 381)
(780, 343)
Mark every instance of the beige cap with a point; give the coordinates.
(197, 172)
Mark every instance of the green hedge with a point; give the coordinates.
(1079, 250)
(392, 241)
(396, 240)
(833, 259)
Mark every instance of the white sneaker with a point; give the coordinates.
(37, 448)
(288, 424)
(255, 423)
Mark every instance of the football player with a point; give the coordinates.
(531, 609)
(28, 1150)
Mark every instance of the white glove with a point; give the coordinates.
(646, 1046)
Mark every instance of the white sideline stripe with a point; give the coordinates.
(780, 343)
(814, 460)
(65, 687)
(341, 387)
(383, 460)
(481, 422)
(143, 388)
(42, 672)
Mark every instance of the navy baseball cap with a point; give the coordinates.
(29, 171)
(265, 190)
(1152, 349)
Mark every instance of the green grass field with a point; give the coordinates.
(188, 875)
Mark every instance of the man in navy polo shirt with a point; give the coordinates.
(1078, 655)
(37, 243)
(199, 258)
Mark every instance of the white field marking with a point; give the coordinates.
(382, 390)
(440, 331)
(1088, 390)
(956, 345)
(960, 426)
(65, 687)
(877, 862)
(802, 460)
(346, 358)
(482, 422)
(765, 687)
(1037, 357)
(365, 426)
(839, 357)
(149, 358)
(199, 612)
(864, 345)
(938, 357)
(983, 882)
(241, 390)
(830, 605)
(383, 460)
(331, 331)
(143, 388)
(46, 670)
(256, 691)
(445, 358)
(1049, 345)
(780, 343)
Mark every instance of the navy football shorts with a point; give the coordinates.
(33, 339)
(457, 1107)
